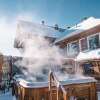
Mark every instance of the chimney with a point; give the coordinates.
(43, 22)
(56, 27)
(85, 18)
(68, 27)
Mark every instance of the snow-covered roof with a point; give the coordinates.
(7, 36)
(25, 27)
(87, 24)
(68, 34)
(90, 55)
(10, 52)
(82, 26)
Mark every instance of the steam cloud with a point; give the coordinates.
(39, 55)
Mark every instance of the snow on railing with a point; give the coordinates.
(54, 82)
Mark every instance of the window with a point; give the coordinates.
(93, 42)
(83, 43)
(73, 48)
(88, 68)
(64, 51)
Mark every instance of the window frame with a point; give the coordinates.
(71, 43)
(93, 35)
(81, 45)
(65, 50)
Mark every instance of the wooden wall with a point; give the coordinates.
(82, 34)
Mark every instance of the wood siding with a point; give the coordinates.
(83, 34)
(86, 90)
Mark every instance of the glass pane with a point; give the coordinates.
(94, 42)
(73, 48)
(88, 68)
(84, 44)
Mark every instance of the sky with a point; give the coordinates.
(62, 12)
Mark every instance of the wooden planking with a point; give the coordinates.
(81, 90)
(87, 90)
(83, 34)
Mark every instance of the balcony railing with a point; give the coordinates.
(55, 85)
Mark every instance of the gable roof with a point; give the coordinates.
(25, 27)
(10, 52)
(85, 25)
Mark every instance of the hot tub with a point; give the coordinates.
(84, 87)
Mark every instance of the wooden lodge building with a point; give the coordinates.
(83, 44)
(27, 29)
(73, 41)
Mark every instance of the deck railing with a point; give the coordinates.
(59, 89)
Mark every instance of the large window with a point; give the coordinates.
(83, 43)
(73, 48)
(93, 42)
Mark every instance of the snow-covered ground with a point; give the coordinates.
(8, 96)
(98, 95)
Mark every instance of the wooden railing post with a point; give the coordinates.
(50, 85)
(54, 81)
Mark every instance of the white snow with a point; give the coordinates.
(87, 24)
(90, 55)
(7, 96)
(10, 52)
(65, 81)
(25, 27)
(7, 36)
(82, 26)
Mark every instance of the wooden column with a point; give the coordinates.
(93, 94)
